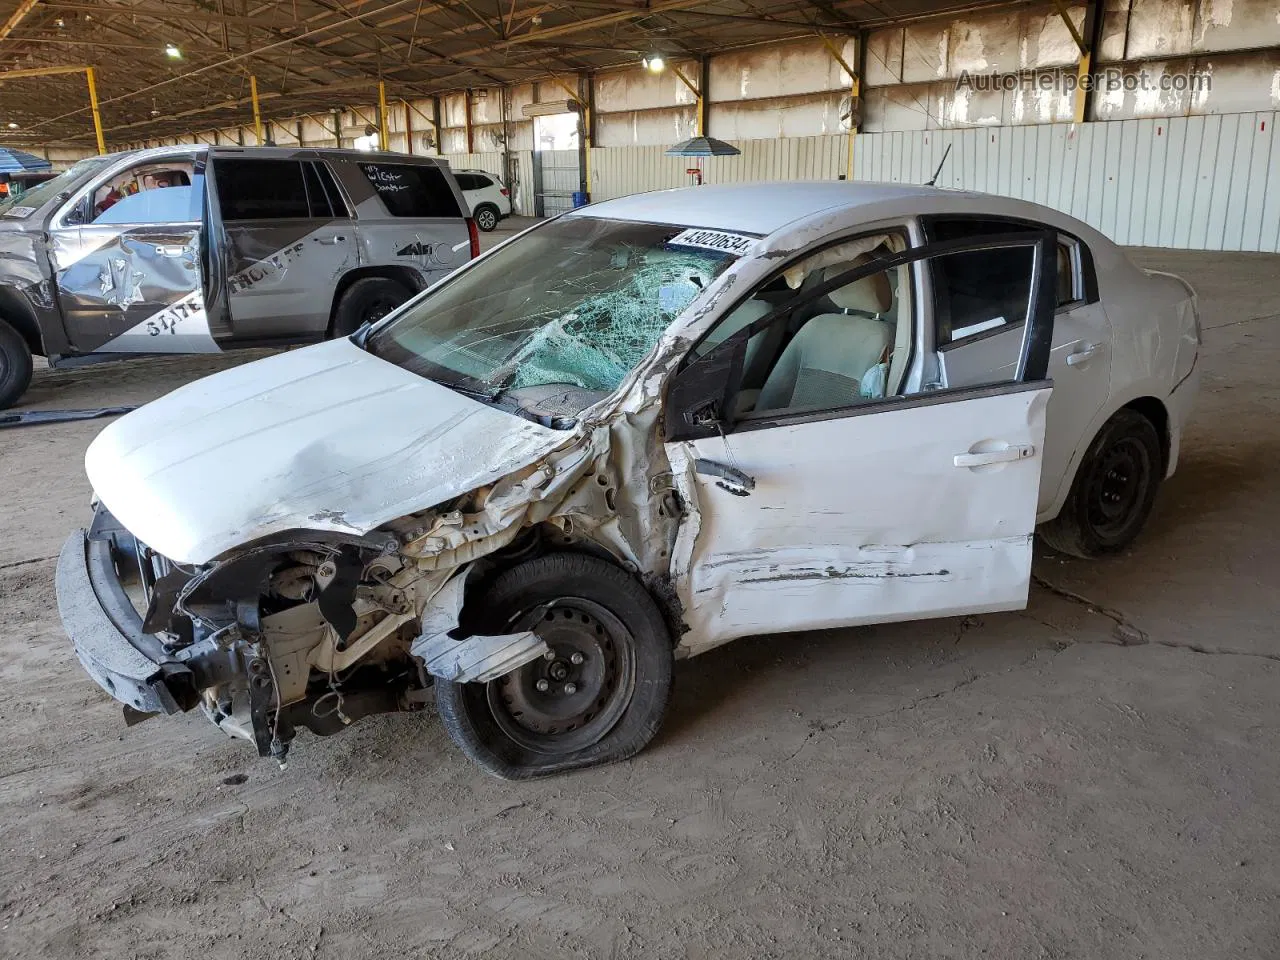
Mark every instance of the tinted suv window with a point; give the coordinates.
(261, 189)
(412, 190)
(321, 191)
(472, 181)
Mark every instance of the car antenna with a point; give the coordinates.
(934, 180)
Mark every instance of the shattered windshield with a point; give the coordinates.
(575, 304)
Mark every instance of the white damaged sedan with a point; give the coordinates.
(627, 435)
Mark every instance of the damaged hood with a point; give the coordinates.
(323, 438)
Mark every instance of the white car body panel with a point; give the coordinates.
(865, 518)
(331, 438)
(322, 438)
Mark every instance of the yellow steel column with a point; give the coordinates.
(1082, 78)
(384, 141)
(93, 104)
(257, 111)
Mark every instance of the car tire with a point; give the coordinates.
(1113, 490)
(599, 700)
(15, 366)
(487, 218)
(367, 300)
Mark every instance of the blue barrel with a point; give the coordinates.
(581, 198)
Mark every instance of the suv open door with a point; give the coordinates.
(127, 254)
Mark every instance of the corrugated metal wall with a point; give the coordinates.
(1201, 183)
(617, 171)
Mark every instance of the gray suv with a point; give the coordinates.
(194, 249)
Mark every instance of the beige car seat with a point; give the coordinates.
(823, 365)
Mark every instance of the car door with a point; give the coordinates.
(287, 238)
(975, 348)
(128, 259)
(875, 509)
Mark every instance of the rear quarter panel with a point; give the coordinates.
(432, 247)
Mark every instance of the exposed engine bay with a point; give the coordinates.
(319, 630)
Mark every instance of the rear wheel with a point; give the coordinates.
(15, 366)
(367, 301)
(487, 218)
(1113, 492)
(600, 693)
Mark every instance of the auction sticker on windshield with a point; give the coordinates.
(734, 243)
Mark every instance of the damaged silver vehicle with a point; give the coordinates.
(628, 435)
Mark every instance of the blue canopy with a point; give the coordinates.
(14, 161)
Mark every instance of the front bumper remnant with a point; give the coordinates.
(107, 633)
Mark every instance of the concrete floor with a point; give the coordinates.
(1016, 785)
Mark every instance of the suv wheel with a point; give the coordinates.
(598, 698)
(15, 365)
(366, 301)
(487, 218)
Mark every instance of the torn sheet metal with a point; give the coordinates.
(477, 659)
(481, 658)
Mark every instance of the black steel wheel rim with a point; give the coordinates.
(571, 698)
(1118, 485)
(378, 308)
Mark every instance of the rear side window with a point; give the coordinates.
(412, 190)
(1075, 267)
(472, 181)
(261, 189)
(980, 291)
(322, 192)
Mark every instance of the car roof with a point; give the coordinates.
(760, 208)
(345, 153)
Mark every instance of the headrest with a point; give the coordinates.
(869, 295)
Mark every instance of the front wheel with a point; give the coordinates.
(1113, 491)
(600, 693)
(15, 366)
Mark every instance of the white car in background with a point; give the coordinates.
(484, 193)
(630, 434)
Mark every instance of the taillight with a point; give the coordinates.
(503, 191)
(474, 233)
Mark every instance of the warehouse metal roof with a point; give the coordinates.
(314, 55)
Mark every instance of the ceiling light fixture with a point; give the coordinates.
(12, 125)
(654, 63)
(171, 51)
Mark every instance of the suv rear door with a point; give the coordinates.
(410, 213)
(287, 237)
(127, 257)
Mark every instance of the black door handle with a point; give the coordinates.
(738, 483)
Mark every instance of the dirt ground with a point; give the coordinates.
(1040, 784)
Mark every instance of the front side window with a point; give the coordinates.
(845, 347)
(576, 304)
(412, 190)
(153, 192)
(23, 205)
(256, 189)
